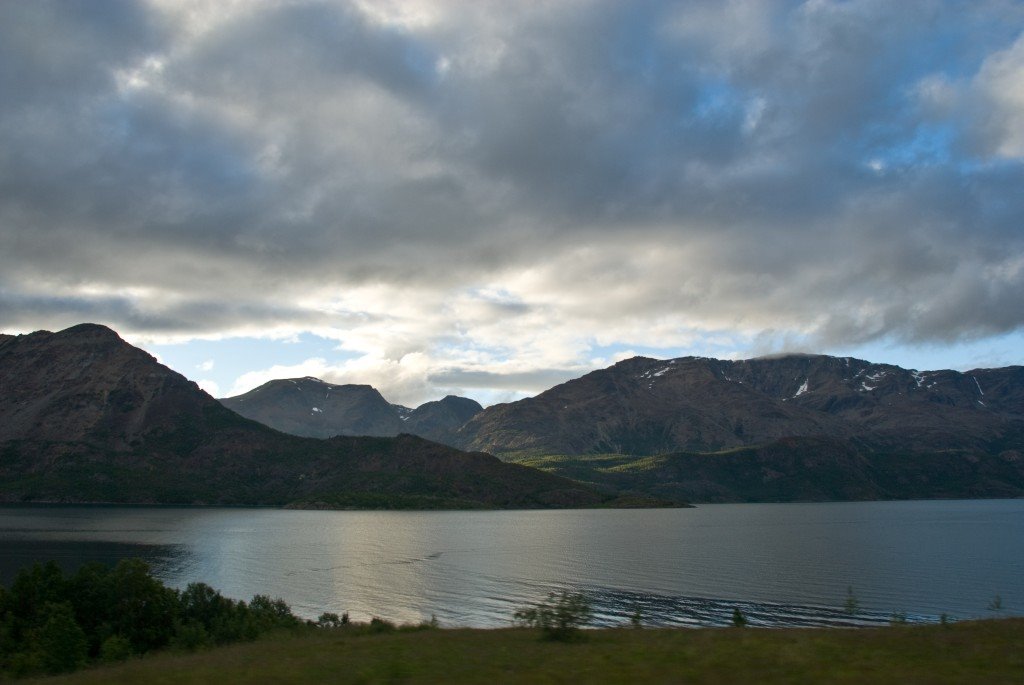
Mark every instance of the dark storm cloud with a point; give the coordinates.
(28, 312)
(847, 170)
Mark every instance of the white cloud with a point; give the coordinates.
(1000, 83)
(209, 386)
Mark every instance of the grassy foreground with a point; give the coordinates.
(968, 652)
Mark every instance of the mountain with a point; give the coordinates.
(440, 420)
(402, 411)
(86, 417)
(790, 428)
(312, 408)
(645, 406)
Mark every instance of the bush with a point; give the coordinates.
(271, 613)
(559, 618)
(329, 620)
(380, 625)
(115, 648)
(191, 636)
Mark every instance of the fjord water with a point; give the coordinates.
(782, 564)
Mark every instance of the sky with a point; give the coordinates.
(489, 198)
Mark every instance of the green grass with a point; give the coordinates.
(968, 652)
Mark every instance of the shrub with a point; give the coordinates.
(738, 619)
(329, 620)
(271, 613)
(191, 636)
(380, 625)
(115, 648)
(559, 618)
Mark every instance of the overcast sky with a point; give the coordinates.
(488, 198)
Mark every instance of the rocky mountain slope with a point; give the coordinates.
(84, 416)
(440, 420)
(793, 428)
(313, 408)
(645, 406)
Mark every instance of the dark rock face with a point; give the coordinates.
(85, 384)
(645, 406)
(86, 417)
(794, 428)
(315, 409)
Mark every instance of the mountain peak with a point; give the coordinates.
(313, 408)
(90, 331)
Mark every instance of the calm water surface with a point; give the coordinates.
(782, 564)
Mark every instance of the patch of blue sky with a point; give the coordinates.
(990, 352)
(223, 361)
(931, 144)
(720, 103)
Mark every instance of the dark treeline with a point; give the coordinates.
(52, 623)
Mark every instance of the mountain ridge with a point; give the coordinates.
(86, 417)
(311, 407)
(648, 406)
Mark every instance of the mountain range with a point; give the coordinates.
(645, 406)
(313, 408)
(86, 417)
(790, 427)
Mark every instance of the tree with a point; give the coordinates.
(271, 613)
(329, 619)
(559, 618)
(142, 609)
(61, 641)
